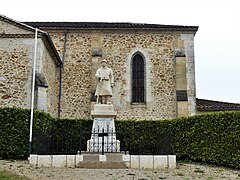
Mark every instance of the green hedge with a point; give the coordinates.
(71, 131)
(143, 137)
(212, 138)
(15, 125)
(14, 131)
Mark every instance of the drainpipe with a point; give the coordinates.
(61, 69)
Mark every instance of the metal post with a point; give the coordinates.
(89, 146)
(103, 142)
(33, 87)
(112, 143)
(107, 136)
(125, 141)
(52, 139)
(66, 146)
(94, 143)
(80, 143)
(116, 145)
(98, 138)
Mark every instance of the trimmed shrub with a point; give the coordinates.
(212, 138)
(70, 135)
(14, 131)
(144, 137)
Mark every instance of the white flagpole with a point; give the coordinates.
(33, 87)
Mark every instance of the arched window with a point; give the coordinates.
(138, 82)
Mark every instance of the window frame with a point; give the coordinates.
(143, 101)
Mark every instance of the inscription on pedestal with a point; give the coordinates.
(103, 123)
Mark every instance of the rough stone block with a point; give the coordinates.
(79, 158)
(126, 158)
(135, 161)
(45, 160)
(182, 108)
(71, 160)
(180, 52)
(128, 164)
(172, 161)
(106, 110)
(42, 99)
(33, 159)
(3, 78)
(102, 158)
(96, 52)
(146, 162)
(90, 157)
(160, 162)
(59, 161)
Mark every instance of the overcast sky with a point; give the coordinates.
(217, 42)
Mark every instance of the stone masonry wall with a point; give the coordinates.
(15, 72)
(157, 50)
(185, 73)
(118, 47)
(76, 82)
(7, 28)
(188, 40)
(16, 56)
(164, 72)
(16, 59)
(51, 74)
(15, 67)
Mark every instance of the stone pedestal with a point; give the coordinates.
(103, 130)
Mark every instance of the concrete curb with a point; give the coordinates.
(131, 161)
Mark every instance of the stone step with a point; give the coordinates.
(110, 157)
(114, 157)
(90, 157)
(102, 165)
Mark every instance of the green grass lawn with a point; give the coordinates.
(8, 176)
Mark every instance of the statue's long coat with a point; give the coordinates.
(104, 84)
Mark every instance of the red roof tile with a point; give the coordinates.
(209, 105)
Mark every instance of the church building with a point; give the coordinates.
(152, 64)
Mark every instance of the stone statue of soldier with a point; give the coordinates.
(105, 83)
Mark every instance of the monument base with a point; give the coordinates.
(103, 110)
(103, 137)
(98, 146)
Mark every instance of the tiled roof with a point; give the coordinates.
(209, 105)
(107, 25)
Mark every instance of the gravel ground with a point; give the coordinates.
(183, 171)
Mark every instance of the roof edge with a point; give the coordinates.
(110, 25)
(211, 105)
(26, 26)
(33, 29)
